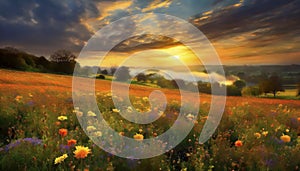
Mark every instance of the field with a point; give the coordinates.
(40, 130)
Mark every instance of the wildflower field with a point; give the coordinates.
(40, 130)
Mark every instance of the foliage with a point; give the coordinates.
(62, 55)
(250, 91)
(271, 85)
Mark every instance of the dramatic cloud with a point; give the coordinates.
(242, 31)
(257, 28)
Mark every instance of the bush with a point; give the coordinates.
(233, 91)
(250, 91)
(101, 77)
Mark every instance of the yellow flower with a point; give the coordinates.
(81, 152)
(98, 134)
(265, 133)
(90, 113)
(91, 128)
(62, 118)
(60, 159)
(257, 135)
(30, 95)
(138, 137)
(116, 110)
(285, 138)
(287, 130)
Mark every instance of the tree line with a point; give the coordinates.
(61, 61)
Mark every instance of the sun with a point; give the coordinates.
(176, 56)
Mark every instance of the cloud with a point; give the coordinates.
(252, 28)
(157, 4)
(43, 26)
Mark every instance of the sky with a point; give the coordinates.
(243, 32)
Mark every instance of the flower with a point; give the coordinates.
(238, 143)
(63, 132)
(98, 134)
(30, 95)
(90, 113)
(138, 137)
(265, 133)
(298, 119)
(121, 133)
(71, 142)
(60, 159)
(116, 110)
(129, 109)
(62, 118)
(19, 98)
(285, 138)
(190, 117)
(57, 123)
(81, 152)
(257, 135)
(91, 128)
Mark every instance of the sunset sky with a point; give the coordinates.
(242, 31)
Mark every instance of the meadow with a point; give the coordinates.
(40, 130)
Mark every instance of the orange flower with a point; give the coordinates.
(285, 138)
(71, 142)
(57, 123)
(81, 152)
(238, 143)
(121, 133)
(298, 119)
(138, 137)
(63, 132)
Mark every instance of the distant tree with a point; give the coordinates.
(250, 91)
(141, 77)
(122, 74)
(62, 56)
(204, 87)
(105, 72)
(101, 77)
(272, 85)
(233, 90)
(178, 83)
(63, 61)
(113, 70)
(240, 84)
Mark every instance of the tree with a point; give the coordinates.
(105, 72)
(141, 77)
(250, 91)
(62, 56)
(122, 74)
(272, 85)
(240, 84)
(233, 90)
(101, 77)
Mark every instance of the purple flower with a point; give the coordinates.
(33, 141)
(64, 148)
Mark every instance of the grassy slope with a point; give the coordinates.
(18, 82)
